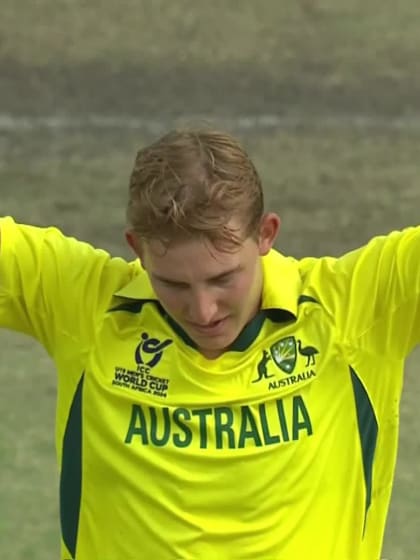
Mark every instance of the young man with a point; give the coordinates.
(217, 400)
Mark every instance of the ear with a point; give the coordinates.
(269, 229)
(134, 242)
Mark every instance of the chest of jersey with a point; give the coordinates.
(188, 457)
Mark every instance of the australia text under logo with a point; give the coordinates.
(147, 355)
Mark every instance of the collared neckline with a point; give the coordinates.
(282, 283)
(281, 290)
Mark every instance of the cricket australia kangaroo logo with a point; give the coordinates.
(284, 353)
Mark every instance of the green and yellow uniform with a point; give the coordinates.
(284, 448)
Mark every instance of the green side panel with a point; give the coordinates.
(368, 432)
(71, 473)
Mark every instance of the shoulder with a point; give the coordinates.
(380, 249)
(48, 254)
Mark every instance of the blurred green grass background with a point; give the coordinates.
(334, 182)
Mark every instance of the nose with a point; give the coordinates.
(202, 307)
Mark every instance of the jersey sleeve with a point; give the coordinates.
(375, 295)
(53, 287)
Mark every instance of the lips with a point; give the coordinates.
(210, 328)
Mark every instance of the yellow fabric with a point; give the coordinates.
(283, 451)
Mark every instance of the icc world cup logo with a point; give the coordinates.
(150, 350)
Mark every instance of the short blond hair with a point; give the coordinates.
(191, 183)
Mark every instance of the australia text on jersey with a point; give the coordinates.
(221, 427)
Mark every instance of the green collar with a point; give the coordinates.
(281, 290)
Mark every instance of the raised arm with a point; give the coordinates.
(380, 284)
(54, 287)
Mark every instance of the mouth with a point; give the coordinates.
(213, 328)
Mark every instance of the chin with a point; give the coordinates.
(218, 343)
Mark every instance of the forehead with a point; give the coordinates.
(194, 259)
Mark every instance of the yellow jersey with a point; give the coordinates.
(284, 448)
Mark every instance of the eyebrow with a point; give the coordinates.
(210, 279)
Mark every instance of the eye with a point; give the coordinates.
(223, 280)
(174, 285)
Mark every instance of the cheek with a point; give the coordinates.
(240, 294)
(170, 300)
(248, 291)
